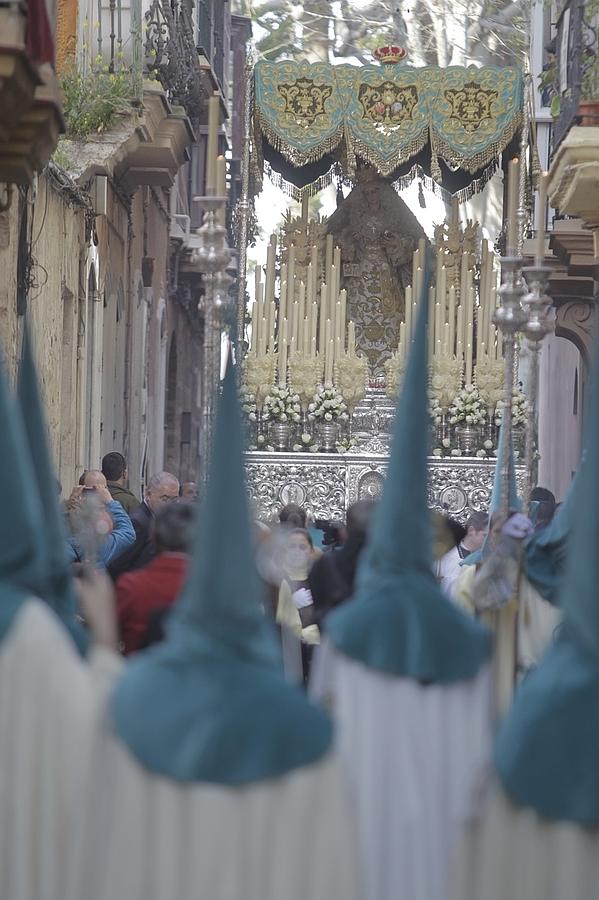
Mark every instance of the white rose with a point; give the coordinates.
(455, 452)
(437, 452)
(446, 443)
(252, 417)
(283, 417)
(469, 420)
(306, 438)
(297, 448)
(328, 417)
(261, 438)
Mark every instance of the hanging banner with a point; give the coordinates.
(309, 117)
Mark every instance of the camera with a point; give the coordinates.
(332, 531)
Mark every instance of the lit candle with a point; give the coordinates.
(315, 273)
(254, 335)
(451, 317)
(460, 325)
(328, 255)
(269, 286)
(260, 305)
(291, 275)
(469, 362)
(329, 362)
(438, 323)
(332, 295)
(283, 362)
(212, 145)
(313, 323)
(221, 189)
(295, 323)
(301, 309)
(513, 182)
(343, 315)
(323, 319)
(337, 324)
(446, 352)
(351, 338)
(329, 350)
(408, 313)
(431, 319)
(459, 351)
(415, 264)
(540, 254)
(263, 334)
(283, 293)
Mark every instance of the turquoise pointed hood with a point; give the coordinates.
(547, 750)
(399, 622)
(546, 552)
(514, 501)
(211, 704)
(21, 525)
(58, 589)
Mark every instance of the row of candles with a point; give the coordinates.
(453, 311)
(310, 317)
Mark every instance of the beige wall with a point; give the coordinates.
(56, 230)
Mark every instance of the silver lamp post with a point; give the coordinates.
(213, 256)
(538, 324)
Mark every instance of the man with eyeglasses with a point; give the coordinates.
(162, 488)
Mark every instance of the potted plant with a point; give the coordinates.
(282, 409)
(328, 408)
(588, 105)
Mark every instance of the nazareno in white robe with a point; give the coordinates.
(48, 702)
(416, 758)
(142, 836)
(512, 853)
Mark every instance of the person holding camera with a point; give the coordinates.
(332, 577)
(96, 517)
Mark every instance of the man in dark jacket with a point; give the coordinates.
(332, 577)
(114, 467)
(162, 488)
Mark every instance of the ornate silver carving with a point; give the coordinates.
(327, 484)
(321, 488)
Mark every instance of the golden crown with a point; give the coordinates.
(390, 54)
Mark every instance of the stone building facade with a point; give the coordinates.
(97, 252)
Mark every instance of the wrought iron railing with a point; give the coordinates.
(211, 36)
(171, 54)
(577, 75)
(110, 38)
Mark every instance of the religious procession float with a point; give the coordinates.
(326, 340)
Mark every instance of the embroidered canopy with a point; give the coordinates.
(452, 123)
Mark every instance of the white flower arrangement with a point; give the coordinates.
(395, 368)
(259, 374)
(351, 378)
(520, 409)
(467, 408)
(328, 406)
(248, 405)
(346, 445)
(282, 405)
(489, 377)
(305, 373)
(445, 380)
(434, 410)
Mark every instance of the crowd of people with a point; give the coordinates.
(197, 704)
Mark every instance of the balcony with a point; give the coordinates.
(577, 67)
(171, 55)
(30, 108)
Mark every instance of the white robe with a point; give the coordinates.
(48, 697)
(146, 837)
(513, 853)
(416, 757)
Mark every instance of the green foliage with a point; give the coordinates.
(61, 158)
(94, 100)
